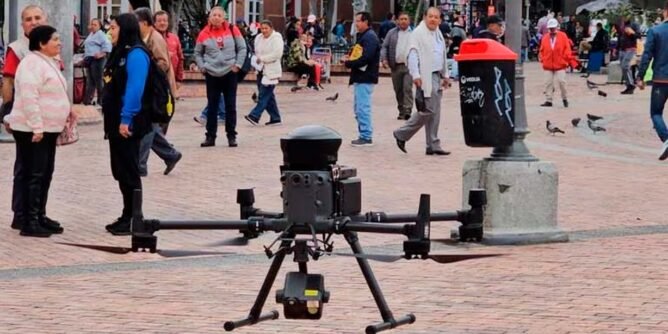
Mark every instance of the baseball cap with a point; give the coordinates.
(494, 19)
(311, 18)
(552, 23)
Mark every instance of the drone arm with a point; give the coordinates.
(377, 228)
(382, 217)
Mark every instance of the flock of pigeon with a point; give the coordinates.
(591, 119)
(591, 123)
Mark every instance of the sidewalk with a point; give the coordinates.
(610, 279)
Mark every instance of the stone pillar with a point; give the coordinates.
(60, 16)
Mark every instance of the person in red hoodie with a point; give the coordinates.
(555, 55)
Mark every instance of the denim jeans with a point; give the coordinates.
(227, 86)
(94, 81)
(454, 68)
(156, 140)
(362, 105)
(266, 100)
(657, 102)
(221, 109)
(524, 55)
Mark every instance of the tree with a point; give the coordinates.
(174, 8)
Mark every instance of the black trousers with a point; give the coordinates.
(227, 85)
(124, 155)
(33, 171)
(302, 69)
(94, 80)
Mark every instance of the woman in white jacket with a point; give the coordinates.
(267, 62)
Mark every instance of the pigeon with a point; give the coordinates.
(591, 85)
(296, 88)
(575, 121)
(593, 127)
(333, 98)
(553, 129)
(593, 117)
(254, 97)
(602, 93)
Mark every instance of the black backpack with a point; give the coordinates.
(158, 99)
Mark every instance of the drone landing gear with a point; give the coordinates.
(255, 315)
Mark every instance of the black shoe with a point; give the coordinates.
(565, 103)
(34, 229)
(251, 120)
(362, 142)
(51, 225)
(172, 164)
(437, 152)
(627, 91)
(271, 123)
(120, 227)
(232, 142)
(199, 120)
(546, 104)
(401, 144)
(208, 142)
(17, 222)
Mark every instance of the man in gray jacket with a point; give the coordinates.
(220, 53)
(394, 54)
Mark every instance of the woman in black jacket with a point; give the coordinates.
(125, 121)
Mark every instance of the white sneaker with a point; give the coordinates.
(664, 151)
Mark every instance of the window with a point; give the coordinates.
(253, 11)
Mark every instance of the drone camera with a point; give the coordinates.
(303, 296)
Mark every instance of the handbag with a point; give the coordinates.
(70, 133)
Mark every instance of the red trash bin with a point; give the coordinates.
(487, 86)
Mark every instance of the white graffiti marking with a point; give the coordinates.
(472, 95)
(502, 93)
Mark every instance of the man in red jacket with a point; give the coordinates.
(555, 54)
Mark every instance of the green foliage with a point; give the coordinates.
(615, 14)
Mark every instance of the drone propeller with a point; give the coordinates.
(162, 252)
(440, 258)
(238, 241)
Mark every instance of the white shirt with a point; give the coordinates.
(402, 46)
(438, 54)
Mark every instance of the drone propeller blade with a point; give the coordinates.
(238, 241)
(374, 257)
(108, 249)
(185, 253)
(450, 258)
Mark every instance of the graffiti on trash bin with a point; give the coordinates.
(472, 95)
(503, 93)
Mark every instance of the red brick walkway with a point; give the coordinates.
(608, 280)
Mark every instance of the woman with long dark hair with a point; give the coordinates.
(125, 121)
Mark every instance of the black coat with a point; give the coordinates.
(365, 68)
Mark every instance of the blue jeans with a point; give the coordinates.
(362, 106)
(524, 55)
(657, 102)
(221, 109)
(266, 100)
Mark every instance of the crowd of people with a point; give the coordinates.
(138, 48)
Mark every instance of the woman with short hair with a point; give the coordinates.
(41, 109)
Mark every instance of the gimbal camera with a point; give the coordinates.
(321, 199)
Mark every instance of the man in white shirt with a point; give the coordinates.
(394, 54)
(427, 64)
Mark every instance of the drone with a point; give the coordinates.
(320, 199)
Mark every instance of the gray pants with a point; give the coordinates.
(403, 89)
(429, 118)
(625, 58)
(155, 140)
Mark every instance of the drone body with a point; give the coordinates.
(321, 199)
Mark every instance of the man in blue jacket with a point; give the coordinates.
(364, 60)
(655, 46)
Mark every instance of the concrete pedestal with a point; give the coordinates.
(521, 200)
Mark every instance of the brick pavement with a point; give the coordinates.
(599, 284)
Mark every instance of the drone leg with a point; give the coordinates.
(388, 320)
(255, 315)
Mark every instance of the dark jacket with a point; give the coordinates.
(364, 69)
(655, 49)
(112, 100)
(627, 41)
(600, 42)
(488, 35)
